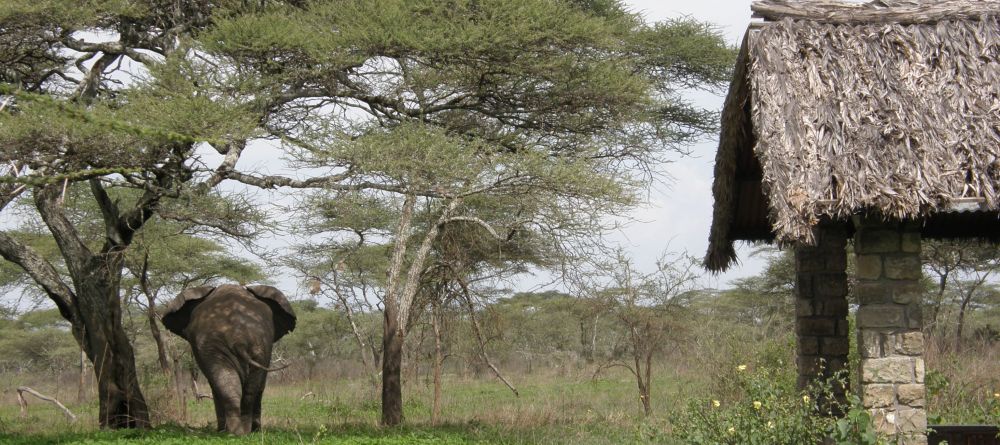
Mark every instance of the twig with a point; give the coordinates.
(479, 337)
(198, 395)
(24, 403)
(62, 197)
(308, 394)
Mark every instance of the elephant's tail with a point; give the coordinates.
(252, 362)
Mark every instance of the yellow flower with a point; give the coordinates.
(770, 424)
(996, 395)
(741, 368)
(805, 399)
(757, 405)
(716, 403)
(731, 431)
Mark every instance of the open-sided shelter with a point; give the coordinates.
(878, 121)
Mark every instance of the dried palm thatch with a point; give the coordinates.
(838, 108)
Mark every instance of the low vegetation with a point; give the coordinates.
(726, 379)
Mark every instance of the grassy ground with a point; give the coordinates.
(555, 406)
(551, 409)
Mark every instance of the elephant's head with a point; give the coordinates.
(177, 314)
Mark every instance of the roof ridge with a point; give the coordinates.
(877, 11)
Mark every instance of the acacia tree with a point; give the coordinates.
(555, 107)
(353, 280)
(962, 269)
(767, 299)
(103, 96)
(644, 306)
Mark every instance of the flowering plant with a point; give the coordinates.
(765, 407)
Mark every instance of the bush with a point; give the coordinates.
(767, 408)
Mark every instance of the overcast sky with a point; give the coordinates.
(680, 214)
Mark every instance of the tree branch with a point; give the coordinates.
(24, 404)
(108, 48)
(72, 247)
(475, 220)
(332, 182)
(479, 336)
(109, 210)
(41, 271)
(88, 88)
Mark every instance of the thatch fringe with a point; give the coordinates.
(902, 120)
(736, 129)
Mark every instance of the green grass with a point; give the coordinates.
(353, 435)
(174, 435)
(551, 409)
(555, 406)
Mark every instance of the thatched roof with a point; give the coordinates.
(835, 109)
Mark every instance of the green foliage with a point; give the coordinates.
(37, 133)
(767, 409)
(189, 97)
(37, 341)
(961, 403)
(765, 299)
(855, 427)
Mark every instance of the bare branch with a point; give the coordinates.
(41, 271)
(115, 49)
(24, 404)
(479, 337)
(475, 220)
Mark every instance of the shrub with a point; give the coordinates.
(767, 408)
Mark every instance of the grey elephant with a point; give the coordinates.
(231, 330)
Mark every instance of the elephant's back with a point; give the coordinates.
(232, 318)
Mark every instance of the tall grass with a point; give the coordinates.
(563, 404)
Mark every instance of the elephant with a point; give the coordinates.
(232, 329)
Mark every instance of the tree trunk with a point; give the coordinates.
(162, 349)
(81, 391)
(931, 326)
(438, 361)
(122, 404)
(154, 328)
(399, 301)
(392, 363)
(961, 322)
(647, 404)
(95, 309)
(371, 367)
(178, 379)
(967, 295)
(479, 338)
(593, 339)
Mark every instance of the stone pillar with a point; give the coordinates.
(821, 305)
(889, 327)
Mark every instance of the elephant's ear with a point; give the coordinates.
(177, 313)
(284, 316)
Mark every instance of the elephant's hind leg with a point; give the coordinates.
(253, 393)
(227, 389)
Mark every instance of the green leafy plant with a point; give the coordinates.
(766, 409)
(856, 427)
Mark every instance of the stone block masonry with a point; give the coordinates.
(821, 305)
(889, 322)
